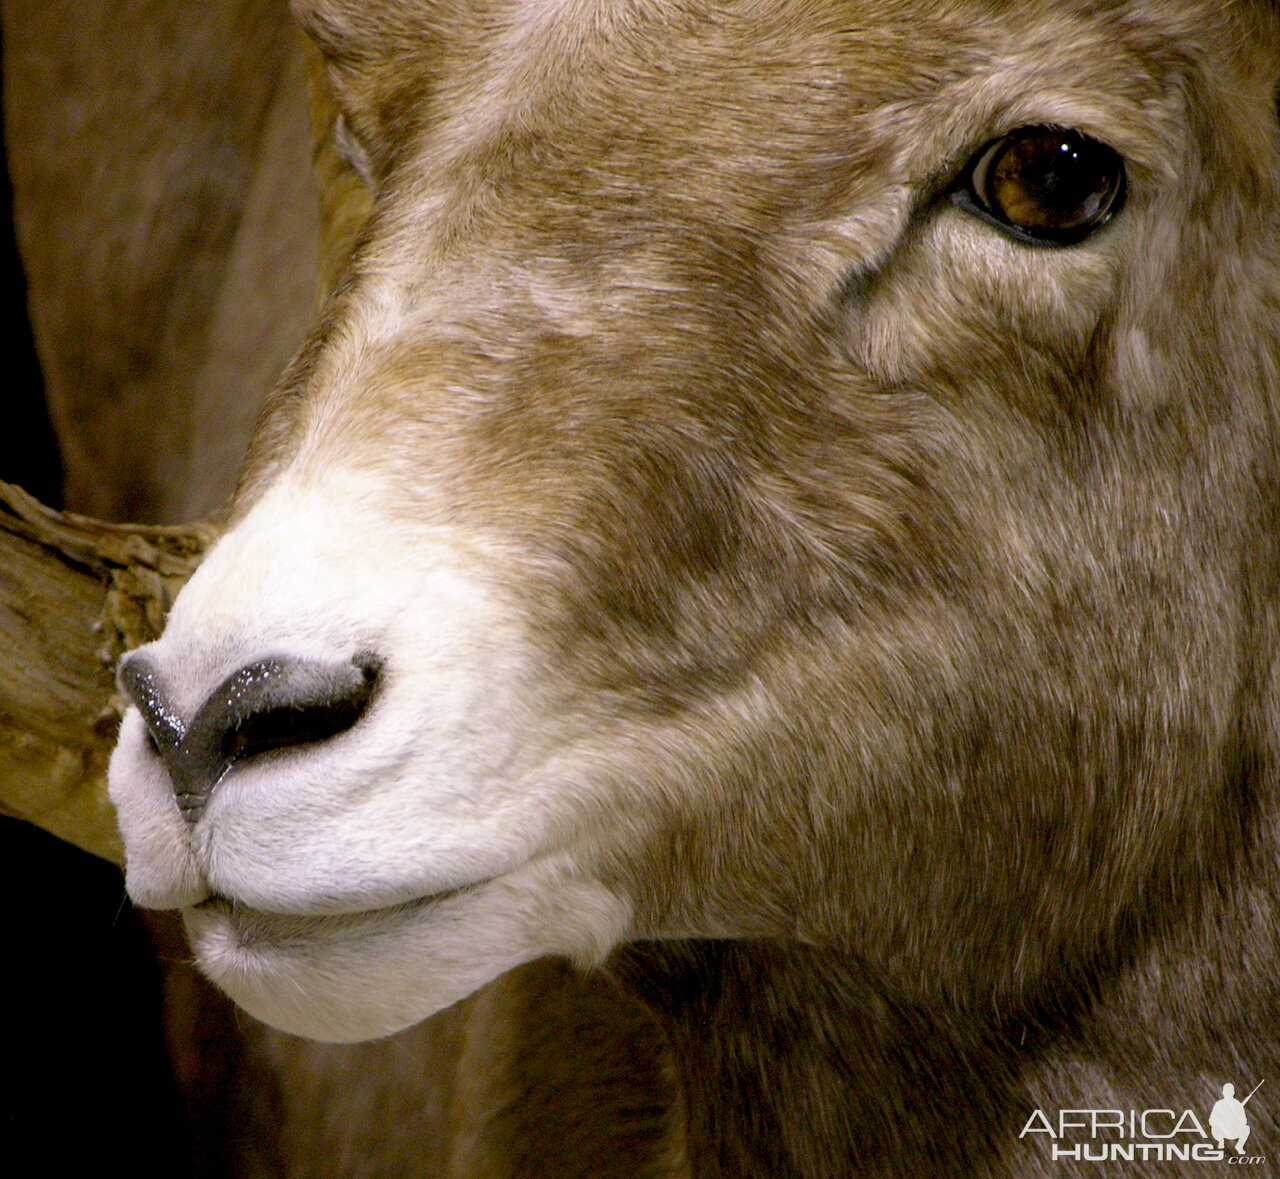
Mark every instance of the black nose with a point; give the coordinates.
(271, 704)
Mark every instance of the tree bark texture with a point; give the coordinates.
(74, 595)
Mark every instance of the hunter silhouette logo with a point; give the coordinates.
(1228, 1119)
(1158, 1134)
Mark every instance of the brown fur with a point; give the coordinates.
(927, 590)
(918, 591)
(167, 221)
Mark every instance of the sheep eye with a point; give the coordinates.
(1044, 185)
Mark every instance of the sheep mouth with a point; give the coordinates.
(242, 914)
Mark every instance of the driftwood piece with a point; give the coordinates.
(74, 595)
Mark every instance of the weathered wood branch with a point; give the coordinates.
(75, 594)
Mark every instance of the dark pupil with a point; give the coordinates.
(1053, 181)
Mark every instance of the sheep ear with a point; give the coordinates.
(371, 55)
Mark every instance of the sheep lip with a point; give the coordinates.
(230, 906)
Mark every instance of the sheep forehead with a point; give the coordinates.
(560, 135)
(568, 162)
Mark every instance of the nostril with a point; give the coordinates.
(273, 703)
(304, 705)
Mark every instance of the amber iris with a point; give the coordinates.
(1044, 186)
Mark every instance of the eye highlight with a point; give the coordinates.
(1043, 186)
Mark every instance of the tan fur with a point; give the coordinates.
(167, 221)
(906, 593)
(914, 579)
(917, 508)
